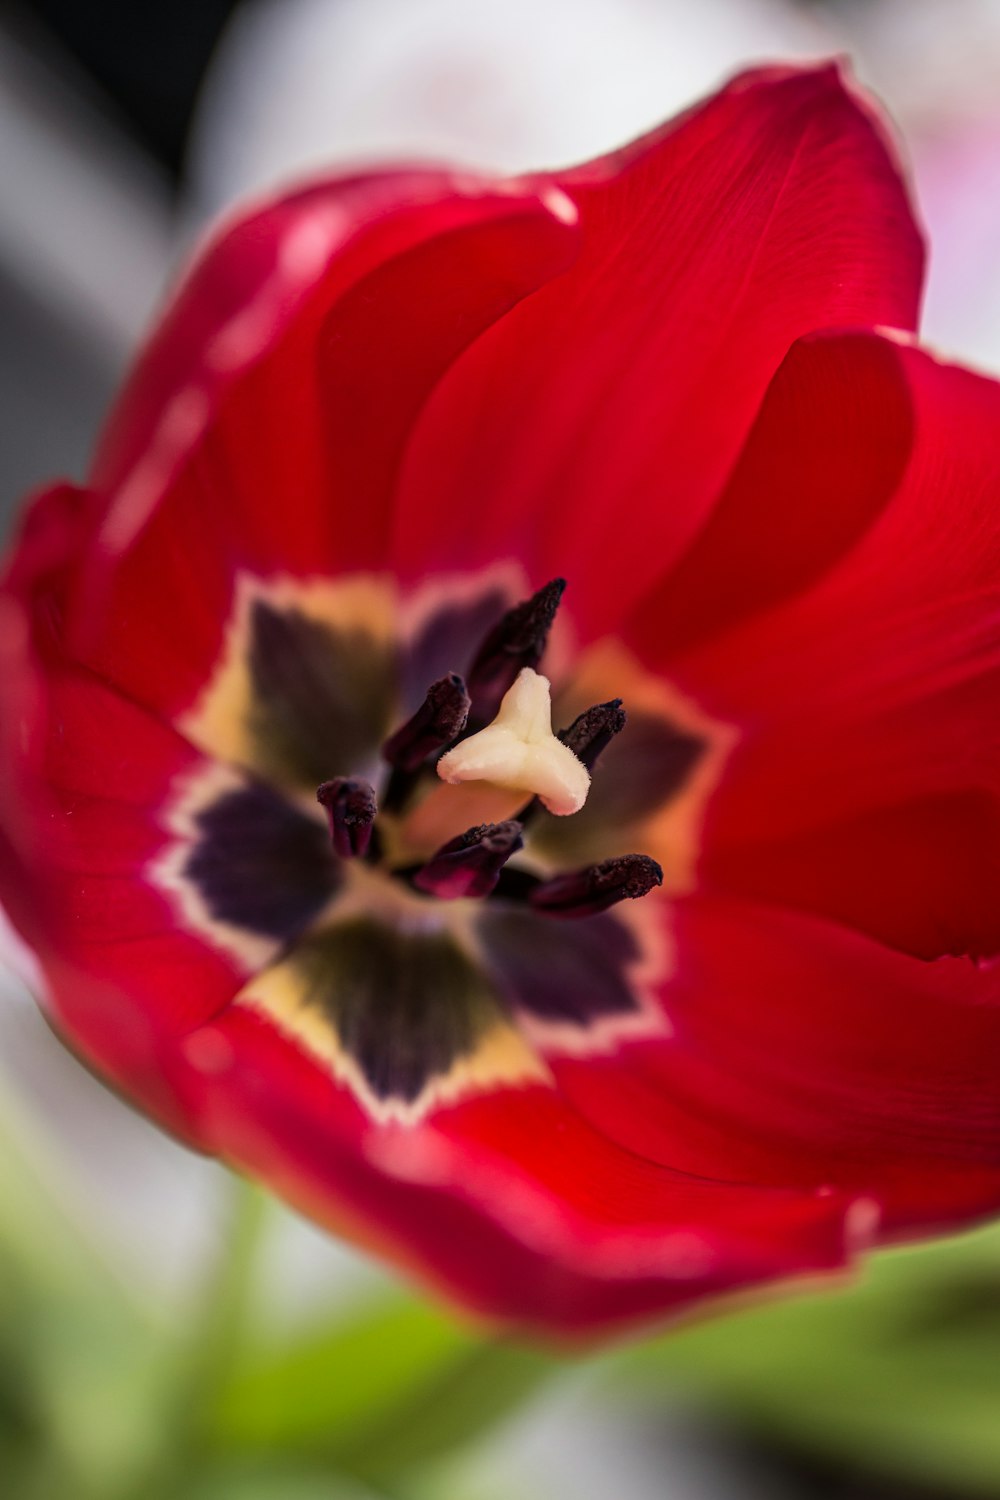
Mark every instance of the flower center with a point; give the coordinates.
(470, 770)
(405, 933)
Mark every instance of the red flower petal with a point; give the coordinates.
(592, 428)
(510, 1200)
(91, 829)
(85, 774)
(805, 1054)
(870, 704)
(826, 453)
(79, 805)
(260, 430)
(922, 875)
(32, 615)
(418, 342)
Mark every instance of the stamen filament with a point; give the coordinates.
(440, 719)
(470, 865)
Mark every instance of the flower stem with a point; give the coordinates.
(221, 1316)
(211, 1344)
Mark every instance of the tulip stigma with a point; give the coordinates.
(520, 751)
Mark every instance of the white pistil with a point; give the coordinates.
(518, 750)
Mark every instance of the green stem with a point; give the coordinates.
(211, 1344)
(227, 1302)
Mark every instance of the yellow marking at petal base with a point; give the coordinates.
(518, 750)
(219, 721)
(501, 1059)
(671, 835)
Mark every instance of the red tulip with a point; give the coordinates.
(313, 556)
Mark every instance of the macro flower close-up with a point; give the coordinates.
(504, 747)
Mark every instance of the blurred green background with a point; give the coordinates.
(887, 1385)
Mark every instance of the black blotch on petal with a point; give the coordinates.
(261, 864)
(406, 1006)
(322, 697)
(647, 765)
(574, 974)
(644, 768)
(447, 640)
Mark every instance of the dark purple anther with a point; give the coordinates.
(581, 893)
(350, 806)
(593, 731)
(439, 720)
(470, 865)
(517, 640)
